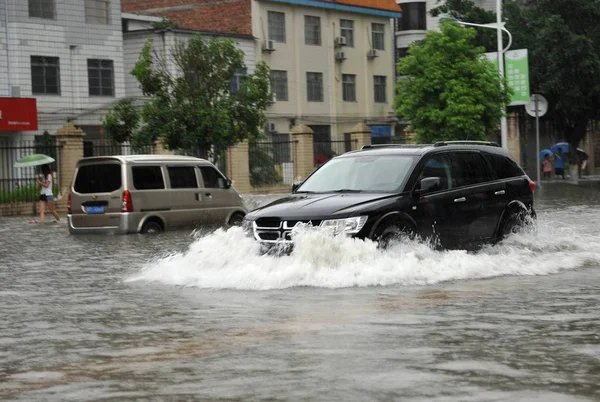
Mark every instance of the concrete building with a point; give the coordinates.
(65, 54)
(332, 62)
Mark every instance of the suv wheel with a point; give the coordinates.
(392, 233)
(513, 224)
(151, 227)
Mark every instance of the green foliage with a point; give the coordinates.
(121, 121)
(23, 193)
(165, 23)
(450, 90)
(262, 165)
(196, 107)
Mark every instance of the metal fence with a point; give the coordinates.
(18, 184)
(271, 163)
(104, 147)
(325, 150)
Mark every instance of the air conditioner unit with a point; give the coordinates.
(340, 56)
(340, 41)
(371, 54)
(269, 46)
(272, 128)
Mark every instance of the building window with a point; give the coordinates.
(378, 34)
(400, 53)
(97, 11)
(101, 77)
(238, 79)
(349, 87)
(347, 31)
(45, 75)
(276, 26)
(312, 30)
(41, 9)
(413, 17)
(380, 88)
(279, 84)
(314, 87)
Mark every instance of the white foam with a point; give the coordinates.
(231, 260)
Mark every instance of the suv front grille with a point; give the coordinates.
(273, 230)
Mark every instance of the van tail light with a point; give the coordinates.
(69, 204)
(532, 186)
(126, 202)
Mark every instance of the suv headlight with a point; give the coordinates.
(348, 226)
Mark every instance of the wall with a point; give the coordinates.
(4, 87)
(73, 41)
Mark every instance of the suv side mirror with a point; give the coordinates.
(296, 185)
(428, 184)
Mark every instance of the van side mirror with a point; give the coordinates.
(227, 183)
(295, 186)
(428, 184)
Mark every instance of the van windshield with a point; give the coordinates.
(382, 173)
(100, 178)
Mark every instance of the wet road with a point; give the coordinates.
(186, 316)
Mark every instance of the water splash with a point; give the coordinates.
(231, 260)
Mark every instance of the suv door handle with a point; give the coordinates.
(461, 199)
(501, 192)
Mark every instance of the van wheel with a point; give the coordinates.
(151, 227)
(392, 233)
(236, 219)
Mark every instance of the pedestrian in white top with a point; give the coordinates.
(46, 195)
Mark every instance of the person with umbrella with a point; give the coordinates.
(46, 195)
(559, 163)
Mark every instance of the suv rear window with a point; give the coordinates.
(504, 166)
(100, 178)
(147, 178)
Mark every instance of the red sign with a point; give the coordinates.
(18, 114)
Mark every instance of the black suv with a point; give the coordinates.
(458, 194)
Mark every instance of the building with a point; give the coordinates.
(65, 54)
(332, 62)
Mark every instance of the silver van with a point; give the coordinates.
(150, 194)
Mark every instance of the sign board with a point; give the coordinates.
(18, 114)
(516, 70)
(542, 106)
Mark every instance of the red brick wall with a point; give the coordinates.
(224, 16)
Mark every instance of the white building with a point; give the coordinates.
(67, 55)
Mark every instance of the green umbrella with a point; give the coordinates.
(33, 160)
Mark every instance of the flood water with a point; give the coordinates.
(197, 316)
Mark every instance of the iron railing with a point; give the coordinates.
(105, 147)
(271, 163)
(325, 150)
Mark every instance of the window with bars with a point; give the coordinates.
(378, 36)
(349, 87)
(45, 75)
(97, 11)
(279, 83)
(380, 88)
(276, 22)
(41, 9)
(347, 31)
(312, 30)
(101, 77)
(238, 78)
(414, 17)
(314, 87)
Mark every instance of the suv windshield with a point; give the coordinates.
(360, 173)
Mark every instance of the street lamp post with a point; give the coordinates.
(499, 27)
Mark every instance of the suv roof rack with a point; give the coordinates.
(488, 143)
(371, 146)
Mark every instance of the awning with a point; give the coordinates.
(18, 114)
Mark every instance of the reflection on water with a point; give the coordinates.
(201, 316)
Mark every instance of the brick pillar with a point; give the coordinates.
(158, 148)
(71, 139)
(514, 138)
(238, 167)
(304, 163)
(360, 136)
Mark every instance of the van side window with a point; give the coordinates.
(100, 178)
(470, 168)
(147, 178)
(182, 176)
(212, 178)
(504, 166)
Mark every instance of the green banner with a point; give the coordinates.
(516, 70)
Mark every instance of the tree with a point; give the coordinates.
(193, 105)
(450, 90)
(120, 122)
